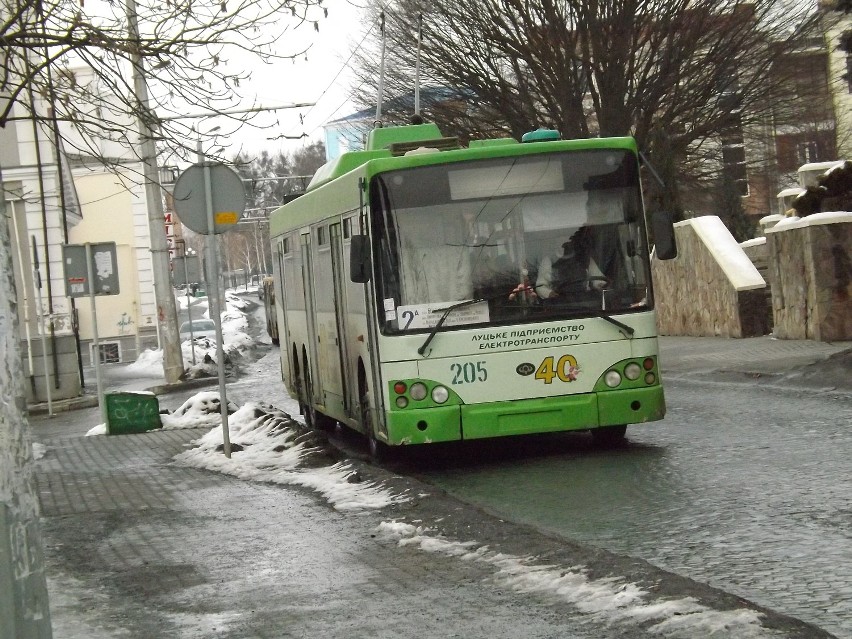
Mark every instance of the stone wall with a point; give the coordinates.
(810, 270)
(711, 288)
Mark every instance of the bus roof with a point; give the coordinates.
(415, 139)
(407, 147)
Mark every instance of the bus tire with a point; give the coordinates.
(313, 418)
(607, 436)
(321, 420)
(379, 451)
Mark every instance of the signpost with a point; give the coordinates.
(210, 200)
(90, 270)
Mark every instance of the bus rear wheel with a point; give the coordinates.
(379, 451)
(313, 418)
(609, 435)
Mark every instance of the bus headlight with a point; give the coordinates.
(401, 402)
(612, 379)
(440, 394)
(632, 371)
(417, 391)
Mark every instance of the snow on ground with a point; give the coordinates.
(612, 599)
(268, 445)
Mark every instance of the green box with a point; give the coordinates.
(132, 412)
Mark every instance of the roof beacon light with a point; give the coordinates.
(541, 135)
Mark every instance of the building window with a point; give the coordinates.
(848, 74)
(109, 351)
(322, 235)
(732, 133)
(807, 152)
(734, 168)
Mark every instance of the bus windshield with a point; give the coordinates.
(533, 238)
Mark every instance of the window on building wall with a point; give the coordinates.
(732, 134)
(846, 45)
(807, 151)
(738, 174)
(110, 352)
(734, 167)
(848, 75)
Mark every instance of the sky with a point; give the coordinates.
(323, 79)
(320, 78)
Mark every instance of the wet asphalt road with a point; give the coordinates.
(742, 487)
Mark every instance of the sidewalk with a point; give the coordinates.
(794, 363)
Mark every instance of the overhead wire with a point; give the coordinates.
(325, 91)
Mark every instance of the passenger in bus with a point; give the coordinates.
(575, 271)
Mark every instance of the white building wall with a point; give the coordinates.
(115, 210)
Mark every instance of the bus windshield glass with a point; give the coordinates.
(522, 239)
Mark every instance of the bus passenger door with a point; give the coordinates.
(281, 275)
(328, 386)
(308, 369)
(340, 309)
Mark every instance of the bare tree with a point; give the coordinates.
(271, 179)
(676, 74)
(195, 56)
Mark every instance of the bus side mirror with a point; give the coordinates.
(359, 259)
(665, 247)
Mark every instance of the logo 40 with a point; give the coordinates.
(566, 369)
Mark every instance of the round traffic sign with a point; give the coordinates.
(227, 201)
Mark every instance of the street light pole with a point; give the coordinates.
(166, 310)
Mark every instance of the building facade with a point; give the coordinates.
(60, 189)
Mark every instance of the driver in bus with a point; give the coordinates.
(575, 271)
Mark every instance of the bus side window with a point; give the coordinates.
(359, 259)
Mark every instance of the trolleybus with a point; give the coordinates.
(410, 298)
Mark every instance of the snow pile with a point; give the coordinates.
(199, 411)
(611, 598)
(100, 429)
(148, 364)
(235, 341)
(268, 445)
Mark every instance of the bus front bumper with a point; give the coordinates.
(528, 416)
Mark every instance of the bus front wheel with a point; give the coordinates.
(609, 435)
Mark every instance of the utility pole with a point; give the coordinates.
(166, 310)
(24, 609)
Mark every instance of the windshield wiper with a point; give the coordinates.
(626, 330)
(446, 314)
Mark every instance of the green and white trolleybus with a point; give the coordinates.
(411, 299)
